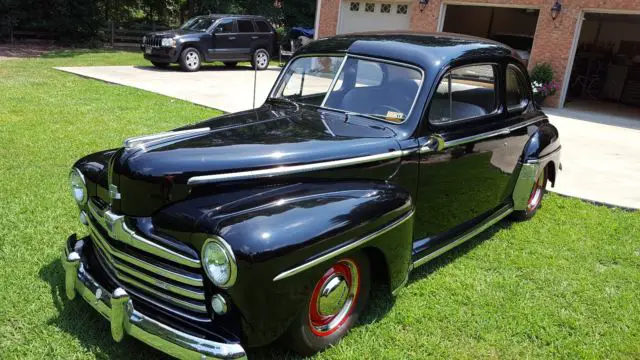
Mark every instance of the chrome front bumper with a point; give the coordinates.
(117, 307)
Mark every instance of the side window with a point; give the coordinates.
(245, 26)
(464, 93)
(516, 89)
(263, 26)
(224, 26)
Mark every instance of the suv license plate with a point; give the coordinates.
(147, 50)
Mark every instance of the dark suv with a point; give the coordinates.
(226, 38)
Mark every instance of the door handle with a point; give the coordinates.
(232, 37)
(254, 37)
(434, 143)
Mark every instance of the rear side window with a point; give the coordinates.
(517, 97)
(245, 26)
(263, 26)
(464, 93)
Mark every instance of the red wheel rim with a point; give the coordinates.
(334, 298)
(536, 193)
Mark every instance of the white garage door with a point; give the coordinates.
(358, 16)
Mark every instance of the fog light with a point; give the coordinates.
(83, 218)
(219, 304)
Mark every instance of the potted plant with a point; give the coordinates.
(542, 82)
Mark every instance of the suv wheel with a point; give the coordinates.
(190, 59)
(260, 59)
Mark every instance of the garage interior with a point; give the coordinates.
(515, 27)
(605, 76)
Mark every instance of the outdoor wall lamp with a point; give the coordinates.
(555, 9)
(277, 4)
(423, 4)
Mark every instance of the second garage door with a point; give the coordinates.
(357, 16)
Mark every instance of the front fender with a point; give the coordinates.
(307, 227)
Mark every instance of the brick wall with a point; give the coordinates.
(553, 39)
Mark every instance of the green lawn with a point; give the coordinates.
(566, 284)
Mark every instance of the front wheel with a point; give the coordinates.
(333, 308)
(260, 59)
(190, 59)
(535, 199)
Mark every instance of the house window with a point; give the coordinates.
(369, 7)
(354, 6)
(385, 8)
(402, 9)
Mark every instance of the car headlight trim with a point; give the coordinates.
(219, 262)
(78, 187)
(167, 42)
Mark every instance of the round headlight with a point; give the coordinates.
(219, 263)
(78, 187)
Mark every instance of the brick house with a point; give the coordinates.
(592, 45)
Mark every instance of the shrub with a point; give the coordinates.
(542, 73)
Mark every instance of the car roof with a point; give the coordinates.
(426, 50)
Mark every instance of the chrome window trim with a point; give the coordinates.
(337, 75)
(497, 108)
(292, 169)
(342, 250)
(497, 216)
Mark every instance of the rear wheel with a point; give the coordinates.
(338, 298)
(535, 198)
(190, 59)
(260, 59)
(230, 63)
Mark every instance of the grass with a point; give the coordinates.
(564, 285)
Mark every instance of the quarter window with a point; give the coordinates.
(263, 26)
(245, 26)
(224, 26)
(516, 89)
(464, 93)
(385, 8)
(354, 6)
(369, 7)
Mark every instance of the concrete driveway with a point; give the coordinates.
(600, 151)
(226, 89)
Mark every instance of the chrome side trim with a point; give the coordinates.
(119, 309)
(292, 169)
(342, 250)
(522, 190)
(544, 158)
(112, 253)
(146, 141)
(499, 215)
(118, 229)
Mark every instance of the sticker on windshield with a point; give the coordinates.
(394, 116)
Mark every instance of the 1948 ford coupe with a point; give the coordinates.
(373, 154)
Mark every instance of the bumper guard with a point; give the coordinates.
(118, 308)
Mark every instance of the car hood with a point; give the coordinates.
(173, 33)
(153, 171)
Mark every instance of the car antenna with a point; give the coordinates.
(255, 81)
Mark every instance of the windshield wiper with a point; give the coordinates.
(285, 100)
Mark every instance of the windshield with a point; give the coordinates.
(197, 24)
(368, 87)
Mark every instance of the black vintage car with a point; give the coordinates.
(372, 155)
(226, 38)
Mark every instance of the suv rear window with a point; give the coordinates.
(263, 26)
(245, 26)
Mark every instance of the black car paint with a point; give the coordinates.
(333, 207)
(214, 46)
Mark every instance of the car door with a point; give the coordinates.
(225, 41)
(247, 35)
(465, 165)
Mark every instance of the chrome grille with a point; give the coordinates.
(149, 270)
(153, 41)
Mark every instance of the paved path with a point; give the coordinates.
(217, 87)
(600, 152)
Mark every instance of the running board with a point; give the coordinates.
(497, 216)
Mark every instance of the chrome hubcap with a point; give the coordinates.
(334, 297)
(261, 59)
(192, 59)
